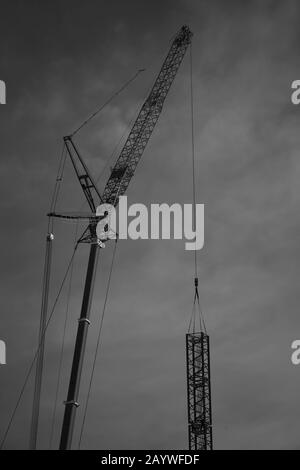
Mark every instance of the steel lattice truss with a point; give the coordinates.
(135, 144)
(199, 391)
(143, 127)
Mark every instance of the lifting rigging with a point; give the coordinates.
(197, 347)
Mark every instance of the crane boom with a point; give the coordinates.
(145, 122)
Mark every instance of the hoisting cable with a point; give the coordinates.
(44, 307)
(125, 130)
(196, 303)
(130, 127)
(110, 158)
(98, 344)
(62, 347)
(58, 181)
(37, 352)
(108, 101)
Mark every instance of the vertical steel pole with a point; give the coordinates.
(83, 323)
(209, 387)
(41, 346)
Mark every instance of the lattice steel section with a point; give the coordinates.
(146, 120)
(199, 391)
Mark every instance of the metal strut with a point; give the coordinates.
(71, 403)
(41, 342)
(86, 181)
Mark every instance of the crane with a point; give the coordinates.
(116, 186)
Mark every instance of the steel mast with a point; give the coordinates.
(116, 186)
(41, 342)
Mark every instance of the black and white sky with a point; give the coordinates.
(60, 61)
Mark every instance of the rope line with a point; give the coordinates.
(110, 158)
(108, 101)
(62, 348)
(59, 178)
(98, 344)
(196, 303)
(36, 354)
(193, 150)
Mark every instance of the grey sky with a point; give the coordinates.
(60, 61)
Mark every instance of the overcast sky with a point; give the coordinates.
(60, 61)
